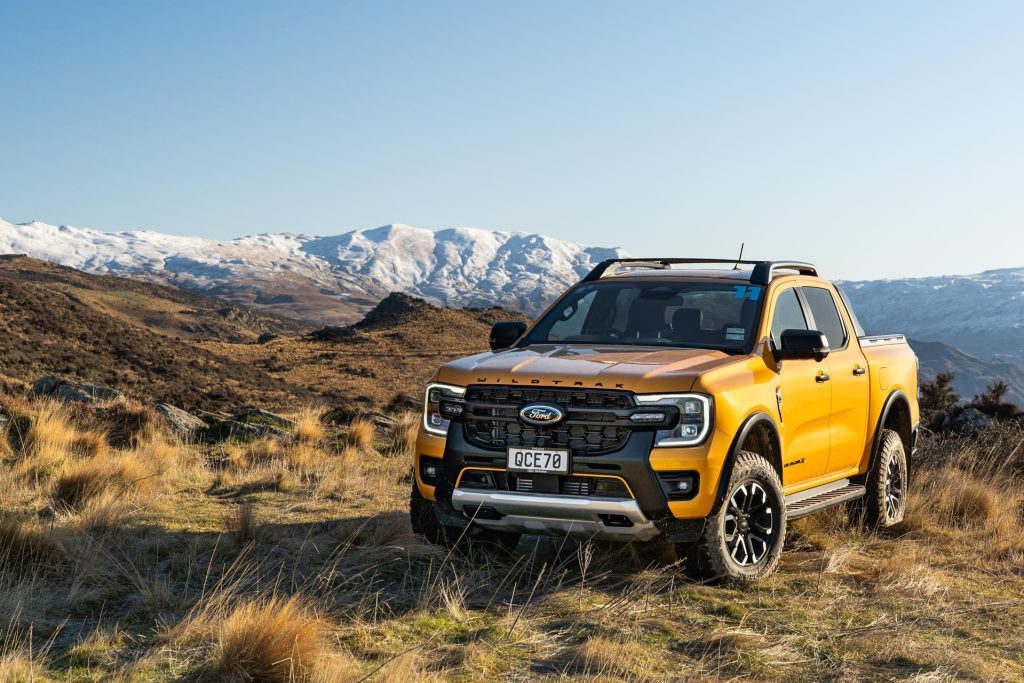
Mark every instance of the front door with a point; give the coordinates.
(848, 426)
(804, 397)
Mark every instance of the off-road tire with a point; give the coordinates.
(426, 522)
(716, 556)
(885, 502)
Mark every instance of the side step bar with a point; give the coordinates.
(821, 497)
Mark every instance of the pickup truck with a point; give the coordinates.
(702, 406)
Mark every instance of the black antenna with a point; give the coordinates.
(737, 266)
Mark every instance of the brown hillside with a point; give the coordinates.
(158, 343)
(135, 337)
(391, 353)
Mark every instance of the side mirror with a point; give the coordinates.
(802, 344)
(504, 335)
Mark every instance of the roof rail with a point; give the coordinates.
(765, 271)
(761, 275)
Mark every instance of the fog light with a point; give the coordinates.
(678, 485)
(430, 470)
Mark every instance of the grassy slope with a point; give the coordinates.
(295, 560)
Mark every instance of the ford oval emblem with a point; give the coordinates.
(542, 414)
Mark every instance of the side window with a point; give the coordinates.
(826, 316)
(788, 315)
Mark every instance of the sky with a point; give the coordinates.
(876, 139)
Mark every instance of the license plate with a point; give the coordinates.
(538, 460)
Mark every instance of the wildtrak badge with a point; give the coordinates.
(555, 382)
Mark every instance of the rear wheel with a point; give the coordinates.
(885, 502)
(426, 521)
(743, 539)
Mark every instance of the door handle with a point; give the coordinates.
(821, 379)
(859, 371)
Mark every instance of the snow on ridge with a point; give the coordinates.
(455, 266)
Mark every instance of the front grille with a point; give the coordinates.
(597, 421)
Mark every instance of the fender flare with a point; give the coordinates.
(890, 400)
(751, 421)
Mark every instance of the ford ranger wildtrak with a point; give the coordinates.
(703, 406)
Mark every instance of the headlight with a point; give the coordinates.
(433, 421)
(694, 418)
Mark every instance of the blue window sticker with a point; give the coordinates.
(747, 292)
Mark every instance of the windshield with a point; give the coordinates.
(659, 313)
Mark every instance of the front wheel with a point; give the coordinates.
(426, 521)
(743, 539)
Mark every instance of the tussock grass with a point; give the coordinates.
(309, 426)
(28, 549)
(271, 639)
(361, 434)
(82, 481)
(292, 559)
(241, 523)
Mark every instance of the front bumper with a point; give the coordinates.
(589, 518)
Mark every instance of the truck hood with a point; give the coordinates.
(634, 368)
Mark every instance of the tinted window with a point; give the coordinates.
(826, 316)
(788, 315)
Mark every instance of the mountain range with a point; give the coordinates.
(327, 280)
(335, 280)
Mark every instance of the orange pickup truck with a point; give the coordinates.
(666, 398)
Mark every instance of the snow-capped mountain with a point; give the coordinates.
(334, 280)
(327, 279)
(982, 314)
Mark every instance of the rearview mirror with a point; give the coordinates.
(504, 335)
(802, 344)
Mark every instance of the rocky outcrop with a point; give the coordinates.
(69, 391)
(182, 423)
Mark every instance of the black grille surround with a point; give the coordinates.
(597, 420)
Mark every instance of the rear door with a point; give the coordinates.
(848, 423)
(804, 399)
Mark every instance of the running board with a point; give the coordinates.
(822, 497)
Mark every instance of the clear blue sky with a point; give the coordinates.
(878, 139)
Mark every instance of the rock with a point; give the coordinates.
(266, 338)
(180, 422)
(4, 421)
(967, 421)
(248, 424)
(259, 416)
(69, 391)
(239, 431)
(395, 307)
(334, 334)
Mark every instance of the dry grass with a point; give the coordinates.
(361, 434)
(309, 426)
(277, 639)
(26, 549)
(82, 481)
(292, 558)
(241, 523)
